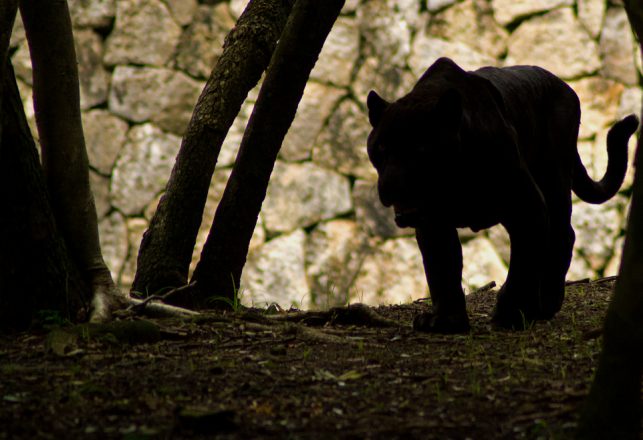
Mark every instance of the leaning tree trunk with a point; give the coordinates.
(166, 249)
(613, 408)
(218, 272)
(36, 272)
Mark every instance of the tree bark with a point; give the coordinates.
(218, 272)
(36, 272)
(166, 249)
(64, 156)
(613, 408)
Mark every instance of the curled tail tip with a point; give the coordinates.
(627, 125)
(620, 132)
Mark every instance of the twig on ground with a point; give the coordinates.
(355, 314)
(156, 307)
(575, 282)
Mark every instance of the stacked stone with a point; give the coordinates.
(322, 237)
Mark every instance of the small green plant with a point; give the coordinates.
(235, 302)
(438, 392)
(526, 324)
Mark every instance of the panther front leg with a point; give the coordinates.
(442, 258)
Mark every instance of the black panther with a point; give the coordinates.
(485, 147)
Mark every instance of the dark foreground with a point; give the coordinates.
(243, 376)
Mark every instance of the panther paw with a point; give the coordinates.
(429, 323)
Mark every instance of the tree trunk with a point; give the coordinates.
(35, 270)
(218, 272)
(613, 408)
(65, 164)
(166, 249)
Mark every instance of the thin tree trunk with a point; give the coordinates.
(219, 271)
(166, 249)
(613, 408)
(8, 10)
(64, 156)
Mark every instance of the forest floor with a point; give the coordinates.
(249, 375)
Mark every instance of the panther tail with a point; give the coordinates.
(598, 192)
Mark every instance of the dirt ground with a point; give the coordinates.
(248, 375)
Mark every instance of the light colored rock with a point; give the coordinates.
(300, 195)
(342, 144)
(508, 11)
(142, 168)
(17, 33)
(614, 264)
(314, 108)
(436, 5)
(591, 14)
(471, 22)
(217, 186)
(21, 61)
(134, 92)
(237, 7)
(371, 215)
(350, 6)
(98, 14)
(93, 78)
(481, 264)
(176, 103)
(597, 228)
(144, 33)
(334, 253)
(599, 100)
(275, 273)
(100, 189)
(338, 56)
(594, 157)
(105, 135)
(499, 238)
(410, 11)
(182, 10)
(385, 33)
(232, 142)
(426, 50)
(390, 82)
(201, 44)
(579, 269)
(26, 95)
(630, 102)
(113, 242)
(617, 47)
(135, 229)
(393, 274)
(163, 96)
(555, 41)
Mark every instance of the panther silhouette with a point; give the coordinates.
(486, 147)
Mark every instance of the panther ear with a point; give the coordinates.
(449, 109)
(376, 106)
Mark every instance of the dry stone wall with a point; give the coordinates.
(323, 238)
